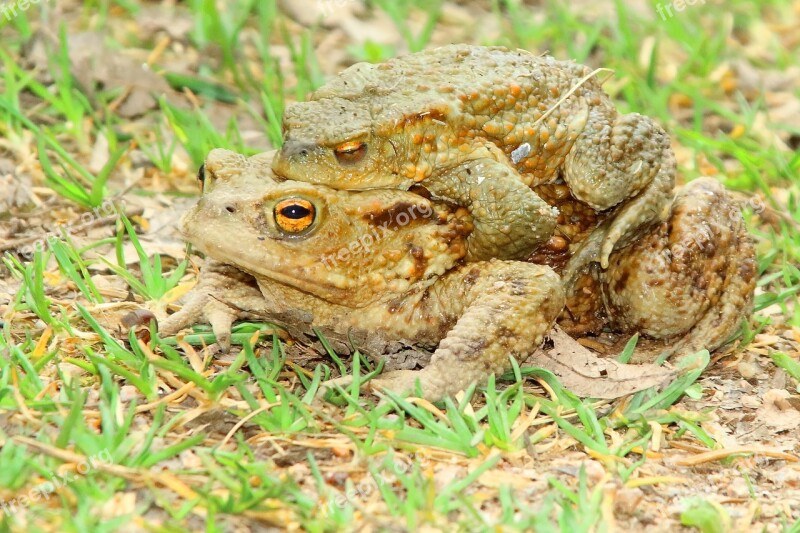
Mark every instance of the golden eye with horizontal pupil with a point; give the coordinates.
(350, 152)
(294, 215)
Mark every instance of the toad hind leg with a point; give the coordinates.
(506, 309)
(692, 278)
(510, 219)
(620, 157)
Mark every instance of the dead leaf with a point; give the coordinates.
(100, 154)
(92, 62)
(587, 375)
(777, 412)
(15, 189)
(326, 13)
(378, 29)
(112, 316)
(497, 478)
(121, 503)
(152, 20)
(9, 287)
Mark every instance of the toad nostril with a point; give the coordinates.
(230, 209)
(300, 149)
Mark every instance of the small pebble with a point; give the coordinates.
(628, 499)
(748, 370)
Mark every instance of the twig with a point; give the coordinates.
(569, 93)
(715, 455)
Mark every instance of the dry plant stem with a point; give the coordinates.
(715, 455)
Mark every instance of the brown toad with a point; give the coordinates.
(301, 256)
(297, 254)
(479, 127)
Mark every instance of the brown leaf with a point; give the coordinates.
(327, 13)
(111, 315)
(587, 375)
(777, 412)
(140, 321)
(93, 62)
(15, 189)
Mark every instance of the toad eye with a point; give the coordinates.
(294, 215)
(350, 152)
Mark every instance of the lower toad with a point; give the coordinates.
(391, 265)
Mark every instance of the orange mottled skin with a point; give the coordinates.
(485, 128)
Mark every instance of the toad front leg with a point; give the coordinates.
(222, 295)
(505, 307)
(510, 219)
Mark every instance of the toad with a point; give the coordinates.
(382, 263)
(392, 265)
(484, 128)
